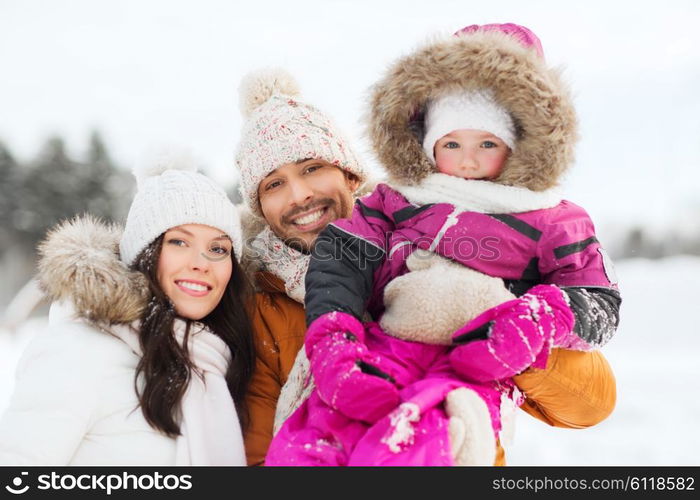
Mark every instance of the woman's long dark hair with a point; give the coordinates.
(166, 366)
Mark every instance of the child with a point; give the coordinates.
(474, 131)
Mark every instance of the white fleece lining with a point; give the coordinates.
(475, 195)
(472, 441)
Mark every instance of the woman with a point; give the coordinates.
(149, 350)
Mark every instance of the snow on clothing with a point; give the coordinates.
(552, 244)
(576, 390)
(423, 374)
(74, 400)
(436, 298)
(414, 432)
(444, 229)
(512, 228)
(462, 219)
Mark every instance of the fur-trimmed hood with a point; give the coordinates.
(79, 263)
(533, 93)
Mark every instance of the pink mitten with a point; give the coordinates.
(349, 377)
(512, 336)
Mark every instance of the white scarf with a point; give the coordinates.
(474, 195)
(210, 433)
(283, 261)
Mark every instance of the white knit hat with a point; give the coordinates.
(171, 194)
(475, 110)
(280, 129)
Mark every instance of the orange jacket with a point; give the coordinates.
(576, 390)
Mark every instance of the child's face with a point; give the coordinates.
(471, 154)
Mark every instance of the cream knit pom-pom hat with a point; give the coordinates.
(280, 129)
(170, 193)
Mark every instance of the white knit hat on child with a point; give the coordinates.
(280, 129)
(476, 110)
(172, 193)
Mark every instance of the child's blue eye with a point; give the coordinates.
(176, 242)
(489, 144)
(451, 145)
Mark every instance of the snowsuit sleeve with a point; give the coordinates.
(571, 257)
(345, 257)
(56, 391)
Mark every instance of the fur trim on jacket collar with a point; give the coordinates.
(472, 195)
(79, 262)
(521, 82)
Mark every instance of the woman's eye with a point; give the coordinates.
(451, 145)
(176, 242)
(220, 250)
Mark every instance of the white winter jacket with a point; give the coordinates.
(75, 398)
(74, 403)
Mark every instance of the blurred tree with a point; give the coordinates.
(55, 187)
(9, 182)
(52, 187)
(107, 189)
(47, 192)
(634, 244)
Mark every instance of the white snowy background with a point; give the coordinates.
(153, 73)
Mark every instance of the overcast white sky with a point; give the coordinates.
(152, 73)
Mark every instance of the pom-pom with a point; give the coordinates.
(257, 87)
(155, 162)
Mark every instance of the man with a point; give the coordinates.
(298, 174)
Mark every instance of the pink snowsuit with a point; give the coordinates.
(547, 255)
(555, 245)
(317, 434)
